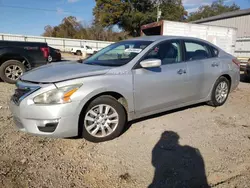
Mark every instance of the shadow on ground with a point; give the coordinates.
(177, 166)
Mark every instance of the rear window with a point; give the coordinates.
(196, 51)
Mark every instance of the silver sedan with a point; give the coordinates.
(122, 82)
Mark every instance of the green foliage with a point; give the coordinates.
(130, 15)
(172, 10)
(71, 28)
(216, 8)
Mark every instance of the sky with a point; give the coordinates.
(29, 17)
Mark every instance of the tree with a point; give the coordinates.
(172, 10)
(48, 31)
(127, 14)
(70, 27)
(216, 8)
(130, 15)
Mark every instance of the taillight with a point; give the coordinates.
(45, 51)
(236, 62)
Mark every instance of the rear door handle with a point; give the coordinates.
(214, 64)
(182, 71)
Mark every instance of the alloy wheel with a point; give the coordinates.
(13, 72)
(101, 120)
(221, 92)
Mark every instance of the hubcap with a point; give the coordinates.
(221, 92)
(13, 72)
(101, 120)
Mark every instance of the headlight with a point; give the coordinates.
(57, 96)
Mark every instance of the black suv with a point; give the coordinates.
(19, 57)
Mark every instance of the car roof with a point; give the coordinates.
(154, 38)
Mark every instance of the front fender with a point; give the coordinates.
(96, 85)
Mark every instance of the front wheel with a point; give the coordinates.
(103, 120)
(220, 92)
(11, 71)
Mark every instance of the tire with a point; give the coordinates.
(9, 65)
(78, 52)
(214, 99)
(50, 59)
(115, 128)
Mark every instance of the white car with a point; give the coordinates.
(79, 50)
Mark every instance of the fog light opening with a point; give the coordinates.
(48, 126)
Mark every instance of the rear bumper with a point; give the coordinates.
(235, 80)
(51, 121)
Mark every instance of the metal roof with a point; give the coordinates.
(225, 15)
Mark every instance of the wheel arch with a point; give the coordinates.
(119, 97)
(14, 56)
(228, 77)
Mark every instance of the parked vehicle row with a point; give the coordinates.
(18, 57)
(122, 82)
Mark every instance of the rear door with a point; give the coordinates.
(203, 68)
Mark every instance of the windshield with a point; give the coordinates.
(118, 54)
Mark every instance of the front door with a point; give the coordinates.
(159, 88)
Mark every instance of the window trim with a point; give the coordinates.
(138, 66)
(197, 42)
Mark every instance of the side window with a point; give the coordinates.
(196, 51)
(167, 52)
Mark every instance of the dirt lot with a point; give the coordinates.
(214, 145)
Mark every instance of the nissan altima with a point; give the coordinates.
(122, 82)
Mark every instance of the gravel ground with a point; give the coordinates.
(169, 149)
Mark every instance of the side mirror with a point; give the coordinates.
(150, 63)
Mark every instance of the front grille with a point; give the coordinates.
(22, 91)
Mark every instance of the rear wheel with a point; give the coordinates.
(220, 92)
(11, 71)
(78, 52)
(50, 59)
(103, 120)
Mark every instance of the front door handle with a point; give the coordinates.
(214, 64)
(182, 71)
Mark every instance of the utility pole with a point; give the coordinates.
(158, 11)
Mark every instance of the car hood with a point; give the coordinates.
(56, 72)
